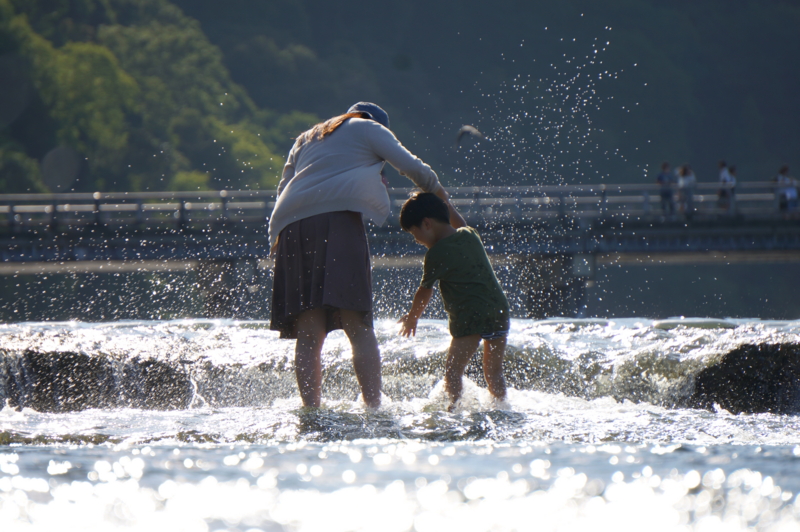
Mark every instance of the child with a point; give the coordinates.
(475, 304)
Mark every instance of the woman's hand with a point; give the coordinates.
(456, 220)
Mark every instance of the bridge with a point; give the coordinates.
(553, 236)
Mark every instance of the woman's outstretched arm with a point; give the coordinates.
(456, 220)
(386, 146)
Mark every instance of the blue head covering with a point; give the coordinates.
(374, 112)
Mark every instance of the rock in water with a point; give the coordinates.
(752, 379)
(70, 382)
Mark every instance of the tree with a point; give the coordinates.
(138, 91)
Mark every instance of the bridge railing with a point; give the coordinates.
(178, 209)
(638, 201)
(166, 209)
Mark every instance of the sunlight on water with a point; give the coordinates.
(393, 486)
(196, 425)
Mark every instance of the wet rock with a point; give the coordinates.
(752, 379)
(155, 385)
(69, 382)
(60, 382)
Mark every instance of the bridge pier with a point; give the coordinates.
(555, 285)
(227, 286)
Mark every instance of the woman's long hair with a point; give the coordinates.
(323, 129)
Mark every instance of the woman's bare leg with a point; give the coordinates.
(459, 355)
(366, 356)
(308, 355)
(493, 352)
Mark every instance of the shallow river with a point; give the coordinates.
(196, 425)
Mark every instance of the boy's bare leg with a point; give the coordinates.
(459, 355)
(308, 354)
(366, 356)
(493, 352)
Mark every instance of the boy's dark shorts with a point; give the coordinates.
(494, 335)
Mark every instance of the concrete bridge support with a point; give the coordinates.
(555, 285)
(230, 287)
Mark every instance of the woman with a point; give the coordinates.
(323, 278)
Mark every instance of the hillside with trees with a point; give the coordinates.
(138, 91)
(188, 94)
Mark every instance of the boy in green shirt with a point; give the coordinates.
(475, 303)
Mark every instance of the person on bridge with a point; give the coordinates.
(667, 181)
(686, 184)
(727, 188)
(323, 280)
(786, 190)
(477, 308)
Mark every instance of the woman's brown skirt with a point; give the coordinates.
(321, 262)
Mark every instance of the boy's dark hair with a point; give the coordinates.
(423, 205)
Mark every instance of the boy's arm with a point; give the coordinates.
(409, 321)
(456, 220)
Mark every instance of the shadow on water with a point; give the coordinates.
(322, 425)
(326, 425)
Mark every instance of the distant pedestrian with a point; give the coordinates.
(727, 187)
(667, 181)
(686, 184)
(786, 190)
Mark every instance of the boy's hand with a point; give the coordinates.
(409, 321)
(408, 326)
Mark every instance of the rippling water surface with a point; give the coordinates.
(196, 425)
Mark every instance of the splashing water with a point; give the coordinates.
(647, 369)
(196, 425)
(540, 127)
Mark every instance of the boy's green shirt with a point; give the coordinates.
(474, 301)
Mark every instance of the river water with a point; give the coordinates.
(626, 424)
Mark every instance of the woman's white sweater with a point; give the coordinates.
(342, 173)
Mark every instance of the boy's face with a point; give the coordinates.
(424, 233)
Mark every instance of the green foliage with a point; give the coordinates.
(18, 172)
(247, 154)
(189, 68)
(193, 180)
(138, 90)
(144, 91)
(281, 129)
(89, 96)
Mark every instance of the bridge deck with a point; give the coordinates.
(574, 219)
(758, 199)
